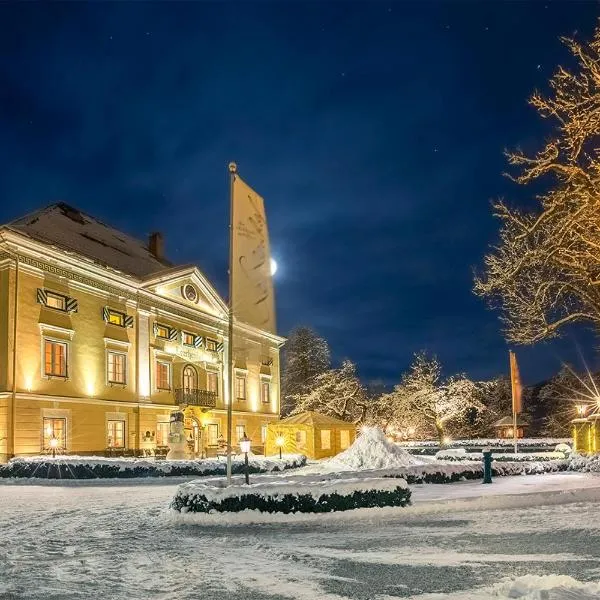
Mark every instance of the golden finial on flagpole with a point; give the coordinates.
(232, 167)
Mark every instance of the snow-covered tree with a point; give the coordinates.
(423, 398)
(337, 393)
(545, 272)
(305, 357)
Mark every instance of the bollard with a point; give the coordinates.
(487, 465)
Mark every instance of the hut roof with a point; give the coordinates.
(508, 422)
(315, 419)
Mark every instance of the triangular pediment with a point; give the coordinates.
(188, 286)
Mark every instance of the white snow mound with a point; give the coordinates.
(372, 450)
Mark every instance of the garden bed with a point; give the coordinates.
(309, 496)
(91, 467)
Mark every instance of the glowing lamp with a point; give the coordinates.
(53, 443)
(446, 440)
(279, 442)
(245, 444)
(273, 266)
(581, 409)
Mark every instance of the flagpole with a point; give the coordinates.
(513, 392)
(232, 172)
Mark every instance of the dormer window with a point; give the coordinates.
(188, 339)
(56, 301)
(211, 345)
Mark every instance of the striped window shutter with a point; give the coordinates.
(105, 314)
(198, 341)
(173, 333)
(71, 305)
(220, 347)
(128, 321)
(42, 296)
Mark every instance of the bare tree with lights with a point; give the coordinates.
(424, 397)
(545, 272)
(306, 356)
(337, 393)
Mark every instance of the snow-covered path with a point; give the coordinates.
(116, 540)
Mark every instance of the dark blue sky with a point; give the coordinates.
(374, 131)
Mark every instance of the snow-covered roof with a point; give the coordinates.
(508, 422)
(68, 228)
(315, 419)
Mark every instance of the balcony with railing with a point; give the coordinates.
(194, 397)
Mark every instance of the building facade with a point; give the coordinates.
(101, 339)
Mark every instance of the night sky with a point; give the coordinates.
(374, 132)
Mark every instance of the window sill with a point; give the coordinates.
(163, 389)
(117, 384)
(61, 377)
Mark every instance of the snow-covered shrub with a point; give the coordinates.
(588, 464)
(564, 449)
(455, 454)
(93, 467)
(483, 442)
(292, 496)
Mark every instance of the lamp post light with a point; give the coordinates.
(279, 442)
(245, 444)
(53, 445)
(581, 408)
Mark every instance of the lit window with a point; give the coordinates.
(56, 301)
(326, 439)
(117, 367)
(212, 380)
(162, 433)
(240, 430)
(115, 434)
(265, 392)
(57, 429)
(116, 318)
(188, 339)
(212, 434)
(55, 358)
(344, 439)
(163, 375)
(263, 433)
(161, 331)
(211, 345)
(301, 438)
(240, 387)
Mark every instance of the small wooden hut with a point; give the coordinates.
(504, 428)
(309, 433)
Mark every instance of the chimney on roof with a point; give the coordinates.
(156, 245)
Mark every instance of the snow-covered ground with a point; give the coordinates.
(465, 541)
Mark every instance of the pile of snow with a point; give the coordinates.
(372, 450)
(528, 587)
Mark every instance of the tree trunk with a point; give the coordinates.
(439, 427)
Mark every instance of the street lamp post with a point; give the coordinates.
(280, 441)
(581, 408)
(245, 444)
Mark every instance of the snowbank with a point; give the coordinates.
(97, 467)
(527, 587)
(291, 496)
(372, 450)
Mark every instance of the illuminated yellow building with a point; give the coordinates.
(101, 338)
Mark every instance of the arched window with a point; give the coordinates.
(190, 378)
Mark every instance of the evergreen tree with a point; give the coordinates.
(305, 357)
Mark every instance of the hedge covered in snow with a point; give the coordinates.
(459, 455)
(488, 442)
(292, 496)
(449, 473)
(587, 464)
(92, 467)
